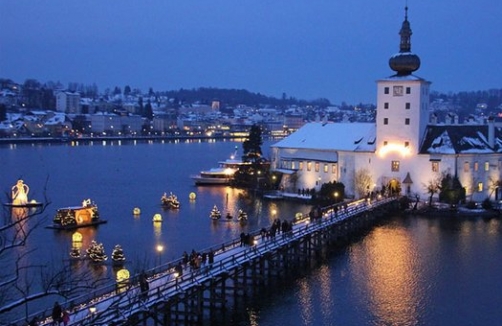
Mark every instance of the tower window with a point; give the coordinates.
(398, 90)
(326, 168)
(408, 90)
(476, 166)
(407, 121)
(408, 105)
(480, 186)
(386, 90)
(317, 166)
(406, 143)
(386, 105)
(487, 166)
(385, 121)
(395, 166)
(309, 166)
(300, 167)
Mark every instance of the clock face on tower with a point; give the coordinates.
(398, 90)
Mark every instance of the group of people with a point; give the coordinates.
(59, 316)
(195, 260)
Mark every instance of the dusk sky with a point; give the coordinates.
(307, 49)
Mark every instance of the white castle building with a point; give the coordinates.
(402, 150)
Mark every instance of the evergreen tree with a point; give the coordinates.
(252, 146)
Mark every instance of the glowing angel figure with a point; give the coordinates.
(20, 193)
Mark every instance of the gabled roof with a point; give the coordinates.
(460, 139)
(358, 137)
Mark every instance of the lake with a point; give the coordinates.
(407, 270)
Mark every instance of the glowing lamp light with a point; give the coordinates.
(92, 310)
(298, 216)
(389, 148)
(136, 211)
(77, 237)
(159, 248)
(157, 218)
(123, 275)
(176, 274)
(192, 196)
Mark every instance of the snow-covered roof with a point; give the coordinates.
(458, 139)
(56, 119)
(359, 137)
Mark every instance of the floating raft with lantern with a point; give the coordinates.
(68, 218)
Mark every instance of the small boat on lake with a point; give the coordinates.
(19, 194)
(215, 213)
(68, 218)
(170, 202)
(222, 175)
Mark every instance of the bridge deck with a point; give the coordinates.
(113, 304)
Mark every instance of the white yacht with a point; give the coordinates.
(222, 175)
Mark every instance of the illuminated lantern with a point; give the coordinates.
(122, 276)
(157, 218)
(77, 237)
(192, 196)
(136, 211)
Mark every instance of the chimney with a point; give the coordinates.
(491, 132)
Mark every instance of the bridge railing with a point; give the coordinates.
(110, 300)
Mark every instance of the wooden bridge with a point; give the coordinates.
(197, 296)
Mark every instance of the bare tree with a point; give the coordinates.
(22, 281)
(433, 187)
(363, 182)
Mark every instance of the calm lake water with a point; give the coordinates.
(409, 270)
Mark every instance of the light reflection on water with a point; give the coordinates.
(410, 270)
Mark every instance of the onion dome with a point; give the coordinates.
(405, 62)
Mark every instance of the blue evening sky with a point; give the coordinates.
(308, 49)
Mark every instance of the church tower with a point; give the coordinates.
(402, 102)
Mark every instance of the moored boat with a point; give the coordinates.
(222, 175)
(77, 216)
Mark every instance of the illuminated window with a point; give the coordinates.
(293, 165)
(407, 121)
(386, 105)
(386, 90)
(487, 166)
(333, 169)
(476, 166)
(435, 166)
(317, 166)
(395, 166)
(408, 105)
(466, 166)
(300, 166)
(480, 186)
(385, 121)
(309, 166)
(326, 168)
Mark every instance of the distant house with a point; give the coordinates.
(402, 150)
(68, 102)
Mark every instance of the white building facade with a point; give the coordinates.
(400, 151)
